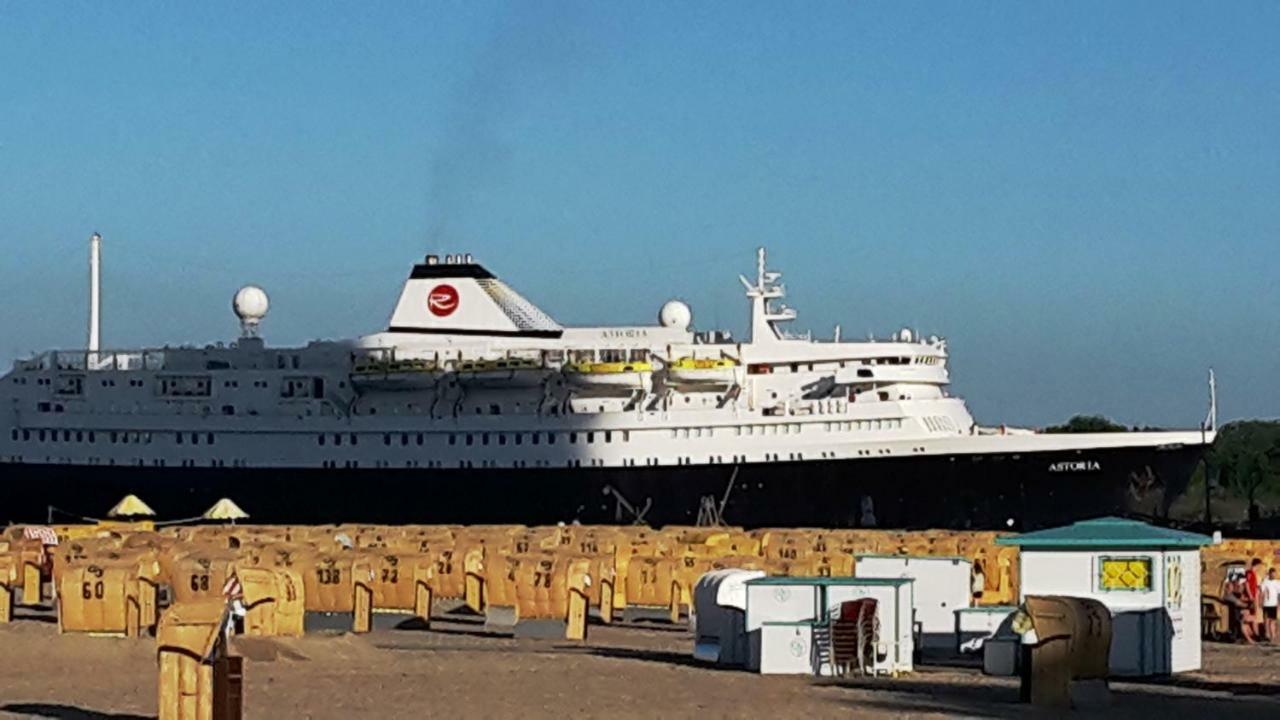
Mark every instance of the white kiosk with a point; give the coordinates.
(1148, 576)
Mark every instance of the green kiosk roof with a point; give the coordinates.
(1106, 533)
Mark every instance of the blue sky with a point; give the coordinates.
(1081, 196)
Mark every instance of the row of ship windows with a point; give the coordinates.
(496, 438)
(154, 462)
(180, 386)
(863, 425)
(468, 439)
(809, 367)
(792, 428)
(92, 436)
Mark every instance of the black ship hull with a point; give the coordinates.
(1032, 490)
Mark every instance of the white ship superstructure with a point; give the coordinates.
(469, 375)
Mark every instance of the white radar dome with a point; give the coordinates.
(675, 314)
(251, 305)
(905, 335)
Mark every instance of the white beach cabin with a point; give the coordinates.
(1148, 576)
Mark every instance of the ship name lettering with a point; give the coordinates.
(1076, 466)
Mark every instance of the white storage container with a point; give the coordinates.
(942, 586)
(786, 648)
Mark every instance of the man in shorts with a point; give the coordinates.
(1270, 592)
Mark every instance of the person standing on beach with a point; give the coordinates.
(1253, 580)
(1270, 592)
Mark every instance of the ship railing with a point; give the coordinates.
(100, 361)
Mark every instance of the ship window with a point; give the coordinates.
(26, 435)
(354, 440)
(179, 439)
(208, 438)
(484, 438)
(534, 437)
(608, 436)
(386, 439)
(319, 440)
(470, 439)
(495, 409)
(404, 439)
(502, 439)
(519, 438)
(337, 440)
(591, 437)
(551, 438)
(419, 439)
(228, 409)
(884, 395)
(453, 439)
(79, 436)
(573, 438)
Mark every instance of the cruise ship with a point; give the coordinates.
(475, 406)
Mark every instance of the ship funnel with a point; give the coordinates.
(464, 298)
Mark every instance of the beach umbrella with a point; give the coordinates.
(224, 509)
(131, 506)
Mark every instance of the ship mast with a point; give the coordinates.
(763, 316)
(95, 293)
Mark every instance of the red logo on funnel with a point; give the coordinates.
(442, 300)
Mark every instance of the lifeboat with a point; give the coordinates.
(619, 375)
(702, 373)
(395, 374)
(502, 372)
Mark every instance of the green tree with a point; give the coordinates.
(1245, 455)
(1087, 424)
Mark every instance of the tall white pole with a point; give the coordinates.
(95, 290)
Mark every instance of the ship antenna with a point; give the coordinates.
(1211, 422)
(95, 292)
